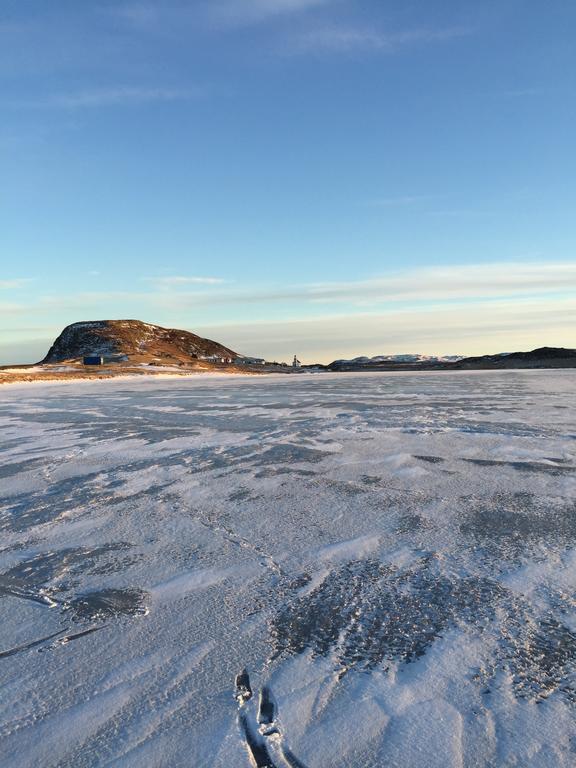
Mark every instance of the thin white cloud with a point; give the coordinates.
(8, 309)
(176, 14)
(521, 92)
(15, 283)
(423, 285)
(254, 11)
(441, 283)
(460, 213)
(172, 281)
(400, 201)
(351, 39)
(137, 14)
(116, 96)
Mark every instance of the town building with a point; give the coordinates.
(250, 361)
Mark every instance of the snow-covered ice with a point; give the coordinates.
(355, 570)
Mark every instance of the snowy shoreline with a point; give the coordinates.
(24, 380)
(147, 376)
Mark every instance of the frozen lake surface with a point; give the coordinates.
(392, 560)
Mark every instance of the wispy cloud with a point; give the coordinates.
(114, 96)
(254, 11)
(423, 285)
(137, 14)
(400, 201)
(173, 281)
(8, 309)
(460, 283)
(524, 92)
(18, 282)
(217, 13)
(449, 283)
(339, 39)
(459, 213)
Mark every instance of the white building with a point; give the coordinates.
(250, 361)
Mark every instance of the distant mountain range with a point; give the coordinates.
(133, 341)
(399, 359)
(543, 357)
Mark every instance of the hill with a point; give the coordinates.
(132, 341)
(543, 357)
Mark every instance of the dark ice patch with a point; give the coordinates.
(370, 479)
(537, 652)
(15, 468)
(541, 656)
(412, 522)
(114, 565)
(430, 459)
(30, 509)
(277, 471)
(108, 603)
(286, 453)
(525, 466)
(242, 494)
(510, 525)
(542, 659)
(365, 613)
(34, 578)
(344, 487)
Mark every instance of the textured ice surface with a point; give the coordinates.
(355, 570)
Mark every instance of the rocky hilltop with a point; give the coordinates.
(132, 341)
(543, 357)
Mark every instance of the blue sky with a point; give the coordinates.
(323, 177)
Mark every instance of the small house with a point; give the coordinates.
(250, 361)
(93, 360)
(215, 359)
